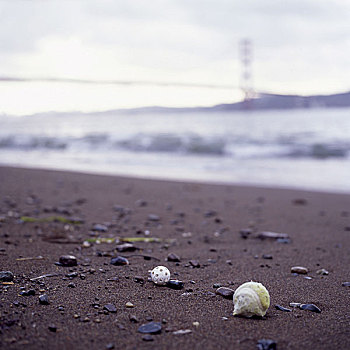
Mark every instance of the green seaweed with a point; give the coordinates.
(51, 219)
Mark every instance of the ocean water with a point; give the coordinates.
(305, 148)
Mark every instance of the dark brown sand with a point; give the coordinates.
(205, 221)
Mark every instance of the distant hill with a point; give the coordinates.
(274, 101)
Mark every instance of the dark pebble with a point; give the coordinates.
(71, 285)
(151, 327)
(133, 319)
(216, 285)
(173, 257)
(147, 337)
(110, 346)
(194, 263)
(27, 293)
(139, 279)
(52, 328)
(346, 284)
(68, 260)
(266, 344)
(267, 256)
(175, 284)
(6, 276)
(281, 308)
(245, 232)
(126, 247)
(299, 201)
(310, 307)
(44, 299)
(110, 308)
(210, 213)
(225, 292)
(119, 260)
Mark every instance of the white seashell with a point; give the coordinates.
(160, 275)
(251, 299)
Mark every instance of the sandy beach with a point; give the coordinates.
(213, 229)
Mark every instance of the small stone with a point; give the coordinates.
(195, 263)
(299, 270)
(86, 244)
(266, 344)
(310, 307)
(182, 332)
(100, 228)
(216, 285)
(281, 308)
(267, 256)
(68, 260)
(110, 308)
(139, 279)
(72, 274)
(153, 217)
(173, 257)
(52, 328)
(175, 284)
(346, 284)
(147, 337)
(110, 346)
(225, 292)
(195, 323)
(44, 299)
(245, 232)
(126, 247)
(27, 293)
(71, 285)
(6, 276)
(294, 304)
(299, 201)
(151, 328)
(129, 304)
(133, 319)
(322, 272)
(119, 260)
(272, 235)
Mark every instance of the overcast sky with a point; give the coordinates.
(300, 46)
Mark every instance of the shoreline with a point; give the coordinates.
(182, 180)
(199, 222)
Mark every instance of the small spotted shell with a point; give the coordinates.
(251, 299)
(160, 275)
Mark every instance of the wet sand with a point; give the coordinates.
(196, 221)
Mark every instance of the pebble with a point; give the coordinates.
(110, 346)
(281, 308)
(100, 228)
(175, 284)
(44, 299)
(27, 293)
(346, 284)
(133, 319)
(150, 328)
(147, 337)
(71, 285)
(52, 328)
(294, 304)
(267, 256)
(310, 307)
(68, 260)
(266, 344)
(225, 292)
(119, 260)
(195, 263)
(182, 332)
(129, 304)
(299, 270)
(153, 217)
(322, 272)
(245, 232)
(126, 247)
(6, 276)
(110, 308)
(173, 257)
(272, 235)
